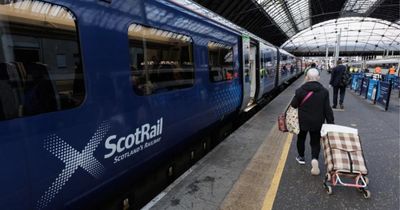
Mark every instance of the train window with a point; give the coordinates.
(40, 62)
(220, 62)
(268, 63)
(159, 60)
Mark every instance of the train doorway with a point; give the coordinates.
(254, 66)
(251, 80)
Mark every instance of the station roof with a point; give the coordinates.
(357, 34)
(279, 20)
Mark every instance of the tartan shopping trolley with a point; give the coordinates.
(344, 159)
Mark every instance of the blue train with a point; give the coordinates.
(94, 92)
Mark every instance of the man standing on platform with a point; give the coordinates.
(339, 80)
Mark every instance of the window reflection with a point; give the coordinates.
(40, 62)
(220, 62)
(160, 60)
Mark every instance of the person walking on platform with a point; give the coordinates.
(339, 81)
(312, 65)
(312, 101)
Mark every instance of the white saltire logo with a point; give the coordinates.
(73, 159)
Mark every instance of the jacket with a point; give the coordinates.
(336, 76)
(314, 111)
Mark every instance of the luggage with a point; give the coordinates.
(344, 159)
(289, 121)
(282, 123)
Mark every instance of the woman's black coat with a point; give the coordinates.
(314, 111)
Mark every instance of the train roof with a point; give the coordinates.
(285, 52)
(200, 10)
(386, 60)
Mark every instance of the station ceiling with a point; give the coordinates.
(277, 21)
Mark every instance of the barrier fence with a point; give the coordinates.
(375, 91)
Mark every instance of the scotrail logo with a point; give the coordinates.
(73, 159)
(117, 147)
(122, 147)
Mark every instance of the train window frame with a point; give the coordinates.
(147, 89)
(56, 15)
(234, 71)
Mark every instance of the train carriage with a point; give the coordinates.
(94, 93)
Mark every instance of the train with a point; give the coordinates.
(94, 94)
(385, 64)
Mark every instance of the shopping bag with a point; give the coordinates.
(292, 120)
(282, 122)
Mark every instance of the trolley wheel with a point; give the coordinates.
(328, 190)
(366, 180)
(366, 194)
(328, 177)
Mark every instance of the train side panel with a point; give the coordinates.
(58, 157)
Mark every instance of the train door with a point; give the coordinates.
(299, 68)
(249, 61)
(254, 72)
(277, 69)
(262, 71)
(246, 71)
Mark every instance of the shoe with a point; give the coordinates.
(341, 106)
(300, 160)
(334, 107)
(314, 169)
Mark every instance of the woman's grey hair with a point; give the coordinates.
(312, 75)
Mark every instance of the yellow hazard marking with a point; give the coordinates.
(270, 196)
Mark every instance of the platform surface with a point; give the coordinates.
(251, 170)
(380, 138)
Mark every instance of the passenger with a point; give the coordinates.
(339, 81)
(313, 65)
(378, 70)
(392, 71)
(229, 75)
(312, 114)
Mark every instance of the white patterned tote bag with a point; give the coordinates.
(292, 116)
(292, 120)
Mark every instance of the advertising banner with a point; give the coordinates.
(364, 87)
(396, 82)
(383, 96)
(356, 82)
(372, 89)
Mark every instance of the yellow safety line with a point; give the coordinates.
(270, 196)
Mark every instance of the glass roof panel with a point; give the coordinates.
(358, 6)
(276, 10)
(356, 34)
(300, 11)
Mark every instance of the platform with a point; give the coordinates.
(254, 168)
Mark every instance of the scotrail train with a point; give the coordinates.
(94, 93)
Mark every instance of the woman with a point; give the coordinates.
(313, 112)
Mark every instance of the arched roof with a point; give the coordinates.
(357, 34)
(279, 20)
